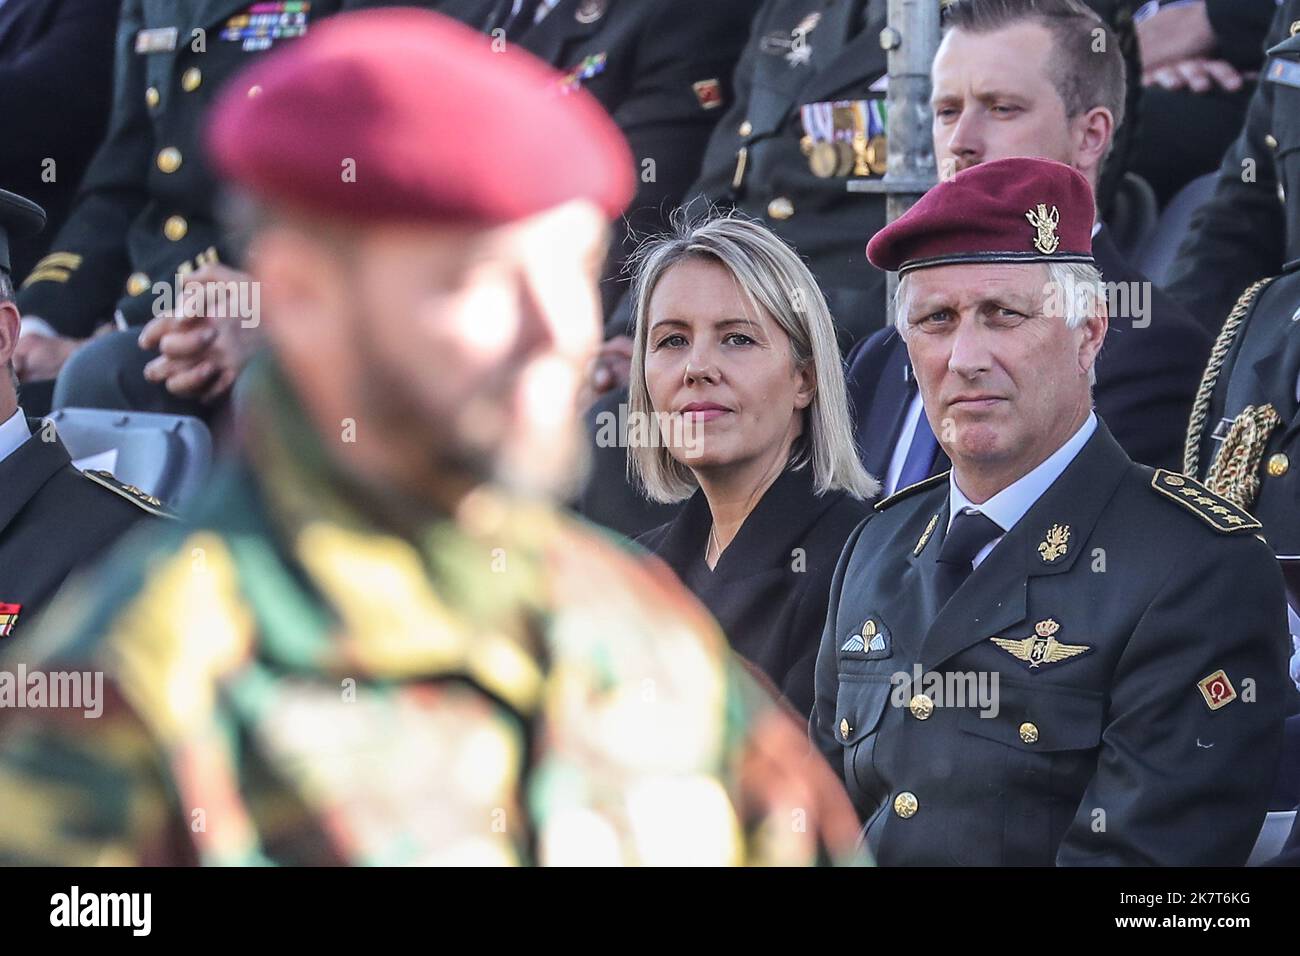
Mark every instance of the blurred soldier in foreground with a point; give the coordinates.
(380, 643)
(1123, 629)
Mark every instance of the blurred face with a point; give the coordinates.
(716, 364)
(9, 323)
(994, 98)
(1004, 384)
(459, 350)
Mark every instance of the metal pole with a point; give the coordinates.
(911, 39)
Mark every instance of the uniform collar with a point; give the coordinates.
(1009, 505)
(13, 432)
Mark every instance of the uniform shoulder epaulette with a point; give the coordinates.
(1219, 513)
(131, 493)
(910, 490)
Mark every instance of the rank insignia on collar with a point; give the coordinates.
(8, 618)
(1055, 544)
(1046, 242)
(1041, 647)
(872, 640)
(925, 535)
(1217, 690)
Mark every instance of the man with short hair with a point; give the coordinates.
(378, 641)
(1122, 630)
(1031, 78)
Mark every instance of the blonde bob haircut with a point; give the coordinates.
(774, 280)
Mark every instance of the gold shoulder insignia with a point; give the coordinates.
(1219, 513)
(902, 493)
(131, 493)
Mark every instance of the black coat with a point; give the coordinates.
(664, 75)
(54, 519)
(56, 70)
(1110, 754)
(770, 586)
(1146, 378)
(1247, 230)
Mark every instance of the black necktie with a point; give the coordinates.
(969, 533)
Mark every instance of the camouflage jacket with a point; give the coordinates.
(286, 682)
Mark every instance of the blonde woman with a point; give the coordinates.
(735, 363)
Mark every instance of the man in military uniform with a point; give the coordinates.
(144, 213)
(1086, 658)
(53, 518)
(1248, 229)
(378, 642)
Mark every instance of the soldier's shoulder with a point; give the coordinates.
(1192, 498)
(911, 491)
(140, 499)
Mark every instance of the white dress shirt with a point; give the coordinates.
(13, 432)
(1010, 504)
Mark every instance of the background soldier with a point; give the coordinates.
(53, 518)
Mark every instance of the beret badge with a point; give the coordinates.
(1046, 242)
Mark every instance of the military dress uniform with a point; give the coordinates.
(1248, 229)
(1088, 667)
(145, 210)
(1243, 439)
(53, 520)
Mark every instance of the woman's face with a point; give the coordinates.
(720, 373)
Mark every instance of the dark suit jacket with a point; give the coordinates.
(56, 69)
(665, 79)
(770, 586)
(53, 519)
(1146, 378)
(1110, 754)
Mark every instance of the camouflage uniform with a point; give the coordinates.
(287, 682)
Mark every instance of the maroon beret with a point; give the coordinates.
(1010, 210)
(406, 115)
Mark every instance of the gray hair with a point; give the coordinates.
(7, 294)
(1075, 286)
(775, 281)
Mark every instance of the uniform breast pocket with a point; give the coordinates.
(1048, 736)
(859, 710)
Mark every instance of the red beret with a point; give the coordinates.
(1011, 210)
(406, 115)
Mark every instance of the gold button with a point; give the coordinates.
(169, 159)
(1028, 733)
(191, 79)
(1278, 465)
(175, 228)
(746, 128)
(1295, 27)
(780, 208)
(1270, 141)
(921, 707)
(905, 804)
(254, 90)
(151, 97)
(845, 728)
(137, 283)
